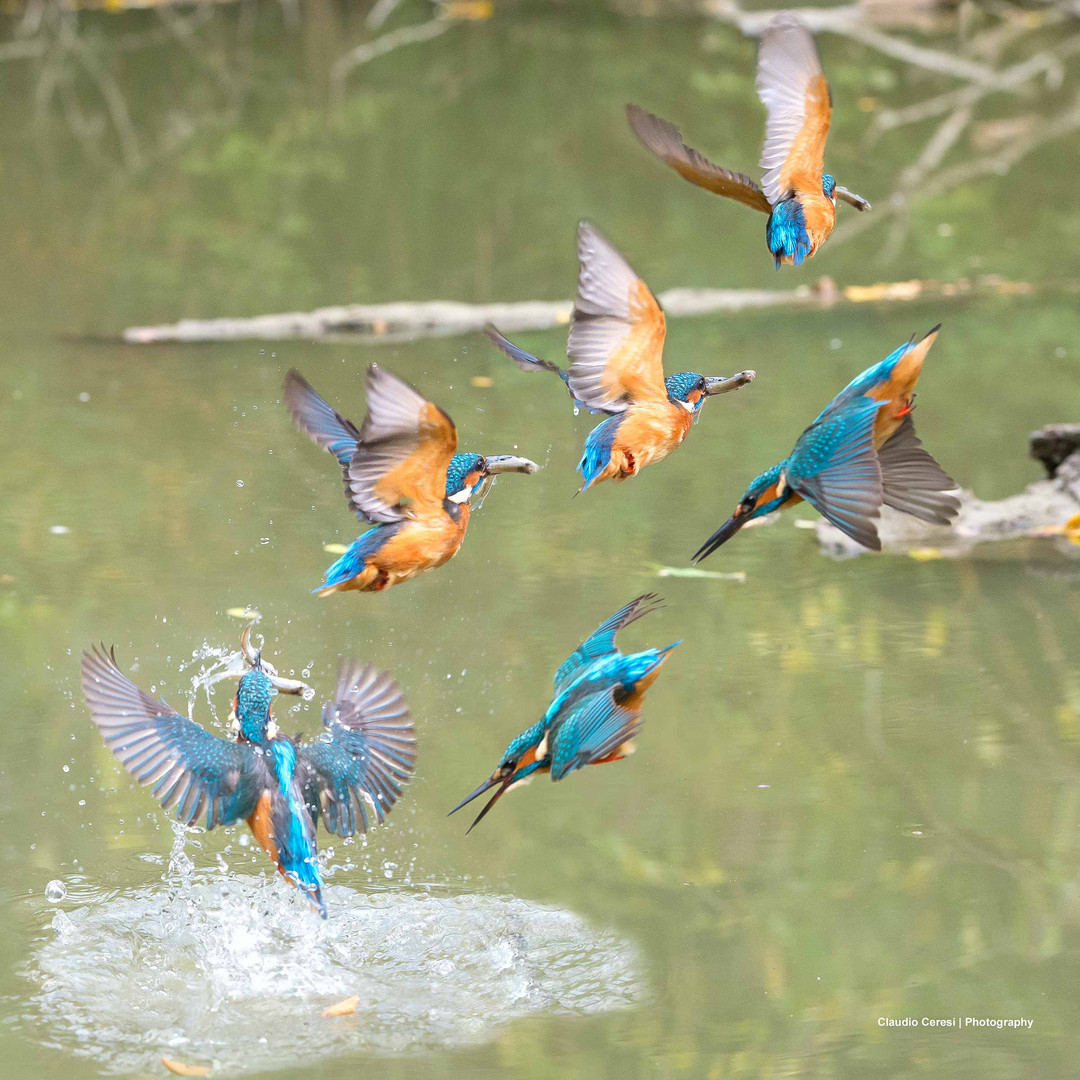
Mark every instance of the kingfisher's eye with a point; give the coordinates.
(747, 504)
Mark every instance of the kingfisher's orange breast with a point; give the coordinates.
(262, 827)
(648, 433)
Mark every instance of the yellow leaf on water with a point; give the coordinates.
(180, 1068)
(925, 554)
(343, 1008)
(475, 10)
(335, 549)
(242, 613)
(482, 381)
(895, 290)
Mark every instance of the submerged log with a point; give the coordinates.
(1043, 520)
(406, 321)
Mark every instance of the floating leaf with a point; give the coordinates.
(482, 381)
(926, 554)
(343, 1008)
(181, 1068)
(694, 572)
(242, 613)
(335, 549)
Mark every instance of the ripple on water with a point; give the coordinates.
(235, 970)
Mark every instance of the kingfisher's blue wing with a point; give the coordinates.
(366, 756)
(595, 728)
(193, 770)
(834, 468)
(326, 427)
(601, 642)
(868, 381)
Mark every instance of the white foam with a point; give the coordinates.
(234, 971)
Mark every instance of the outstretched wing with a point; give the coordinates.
(664, 141)
(601, 642)
(595, 729)
(912, 481)
(792, 87)
(193, 770)
(326, 427)
(616, 342)
(834, 468)
(406, 444)
(366, 756)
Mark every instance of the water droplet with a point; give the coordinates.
(264, 540)
(84, 397)
(55, 891)
(59, 530)
(239, 483)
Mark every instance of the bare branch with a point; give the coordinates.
(370, 50)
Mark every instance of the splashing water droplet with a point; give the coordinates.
(55, 891)
(216, 952)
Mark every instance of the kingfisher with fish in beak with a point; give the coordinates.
(281, 786)
(795, 191)
(616, 352)
(402, 475)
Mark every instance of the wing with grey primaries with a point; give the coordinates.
(368, 754)
(665, 142)
(595, 728)
(912, 481)
(787, 61)
(200, 774)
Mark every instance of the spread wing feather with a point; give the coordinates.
(601, 642)
(664, 141)
(617, 329)
(912, 481)
(406, 443)
(792, 87)
(194, 771)
(367, 755)
(596, 727)
(841, 477)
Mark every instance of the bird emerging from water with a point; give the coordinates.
(860, 453)
(594, 714)
(279, 785)
(402, 475)
(616, 351)
(795, 191)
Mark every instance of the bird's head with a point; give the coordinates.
(252, 706)
(690, 388)
(764, 495)
(472, 474)
(828, 185)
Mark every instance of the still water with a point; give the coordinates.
(857, 793)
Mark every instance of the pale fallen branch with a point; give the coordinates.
(405, 321)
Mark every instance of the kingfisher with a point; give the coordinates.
(795, 191)
(402, 475)
(595, 712)
(279, 785)
(616, 347)
(860, 452)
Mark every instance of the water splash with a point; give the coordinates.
(234, 971)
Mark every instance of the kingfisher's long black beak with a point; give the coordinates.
(503, 788)
(721, 536)
(501, 463)
(851, 198)
(718, 384)
(487, 785)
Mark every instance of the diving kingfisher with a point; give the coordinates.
(795, 191)
(616, 348)
(861, 452)
(279, 785)
(594, 714)
(402, 475)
